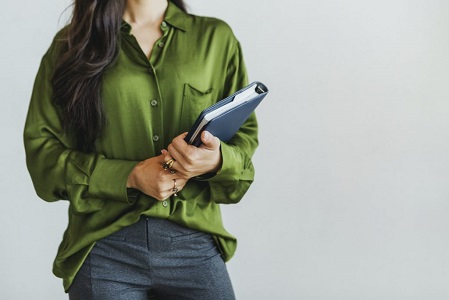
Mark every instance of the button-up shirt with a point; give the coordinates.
(147, 102)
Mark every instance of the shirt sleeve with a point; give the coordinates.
(237, 171)
(57, 170)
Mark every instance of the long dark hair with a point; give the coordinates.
(92, 41)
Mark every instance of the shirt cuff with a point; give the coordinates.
(109, 179)
(231, 167)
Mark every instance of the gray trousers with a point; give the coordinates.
(153, 259)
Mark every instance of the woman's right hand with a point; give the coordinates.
(150, 178)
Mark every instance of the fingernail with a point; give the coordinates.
(206, 135)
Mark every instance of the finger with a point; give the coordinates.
(181, 183)
(160, 158)
(180, 172)
(169, 188)
(181, 146)
(182, 135)
(209, 141)
(166, 155)
(178, 184)
(172, 169)
(177, 155)
(168, 160)
(168, 174)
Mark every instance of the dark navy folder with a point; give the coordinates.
(226, 124)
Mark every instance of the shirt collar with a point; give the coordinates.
(176, 17)
(173, 16)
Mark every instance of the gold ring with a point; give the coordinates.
(175, 189)
(168, 164)
(171, 162)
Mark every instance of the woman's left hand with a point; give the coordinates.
(192, 161)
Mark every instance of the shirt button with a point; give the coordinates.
(164, 24)
(164, 204)
(160, 45)
(153, 102)
(155, 138)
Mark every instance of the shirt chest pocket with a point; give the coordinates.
(194, 101)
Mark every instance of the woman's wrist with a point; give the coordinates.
(131, 182)
(219, 162)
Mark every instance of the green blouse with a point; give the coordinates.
(147, 102)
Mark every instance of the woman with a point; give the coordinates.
(113, 93)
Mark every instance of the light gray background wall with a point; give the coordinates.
(351, 195)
